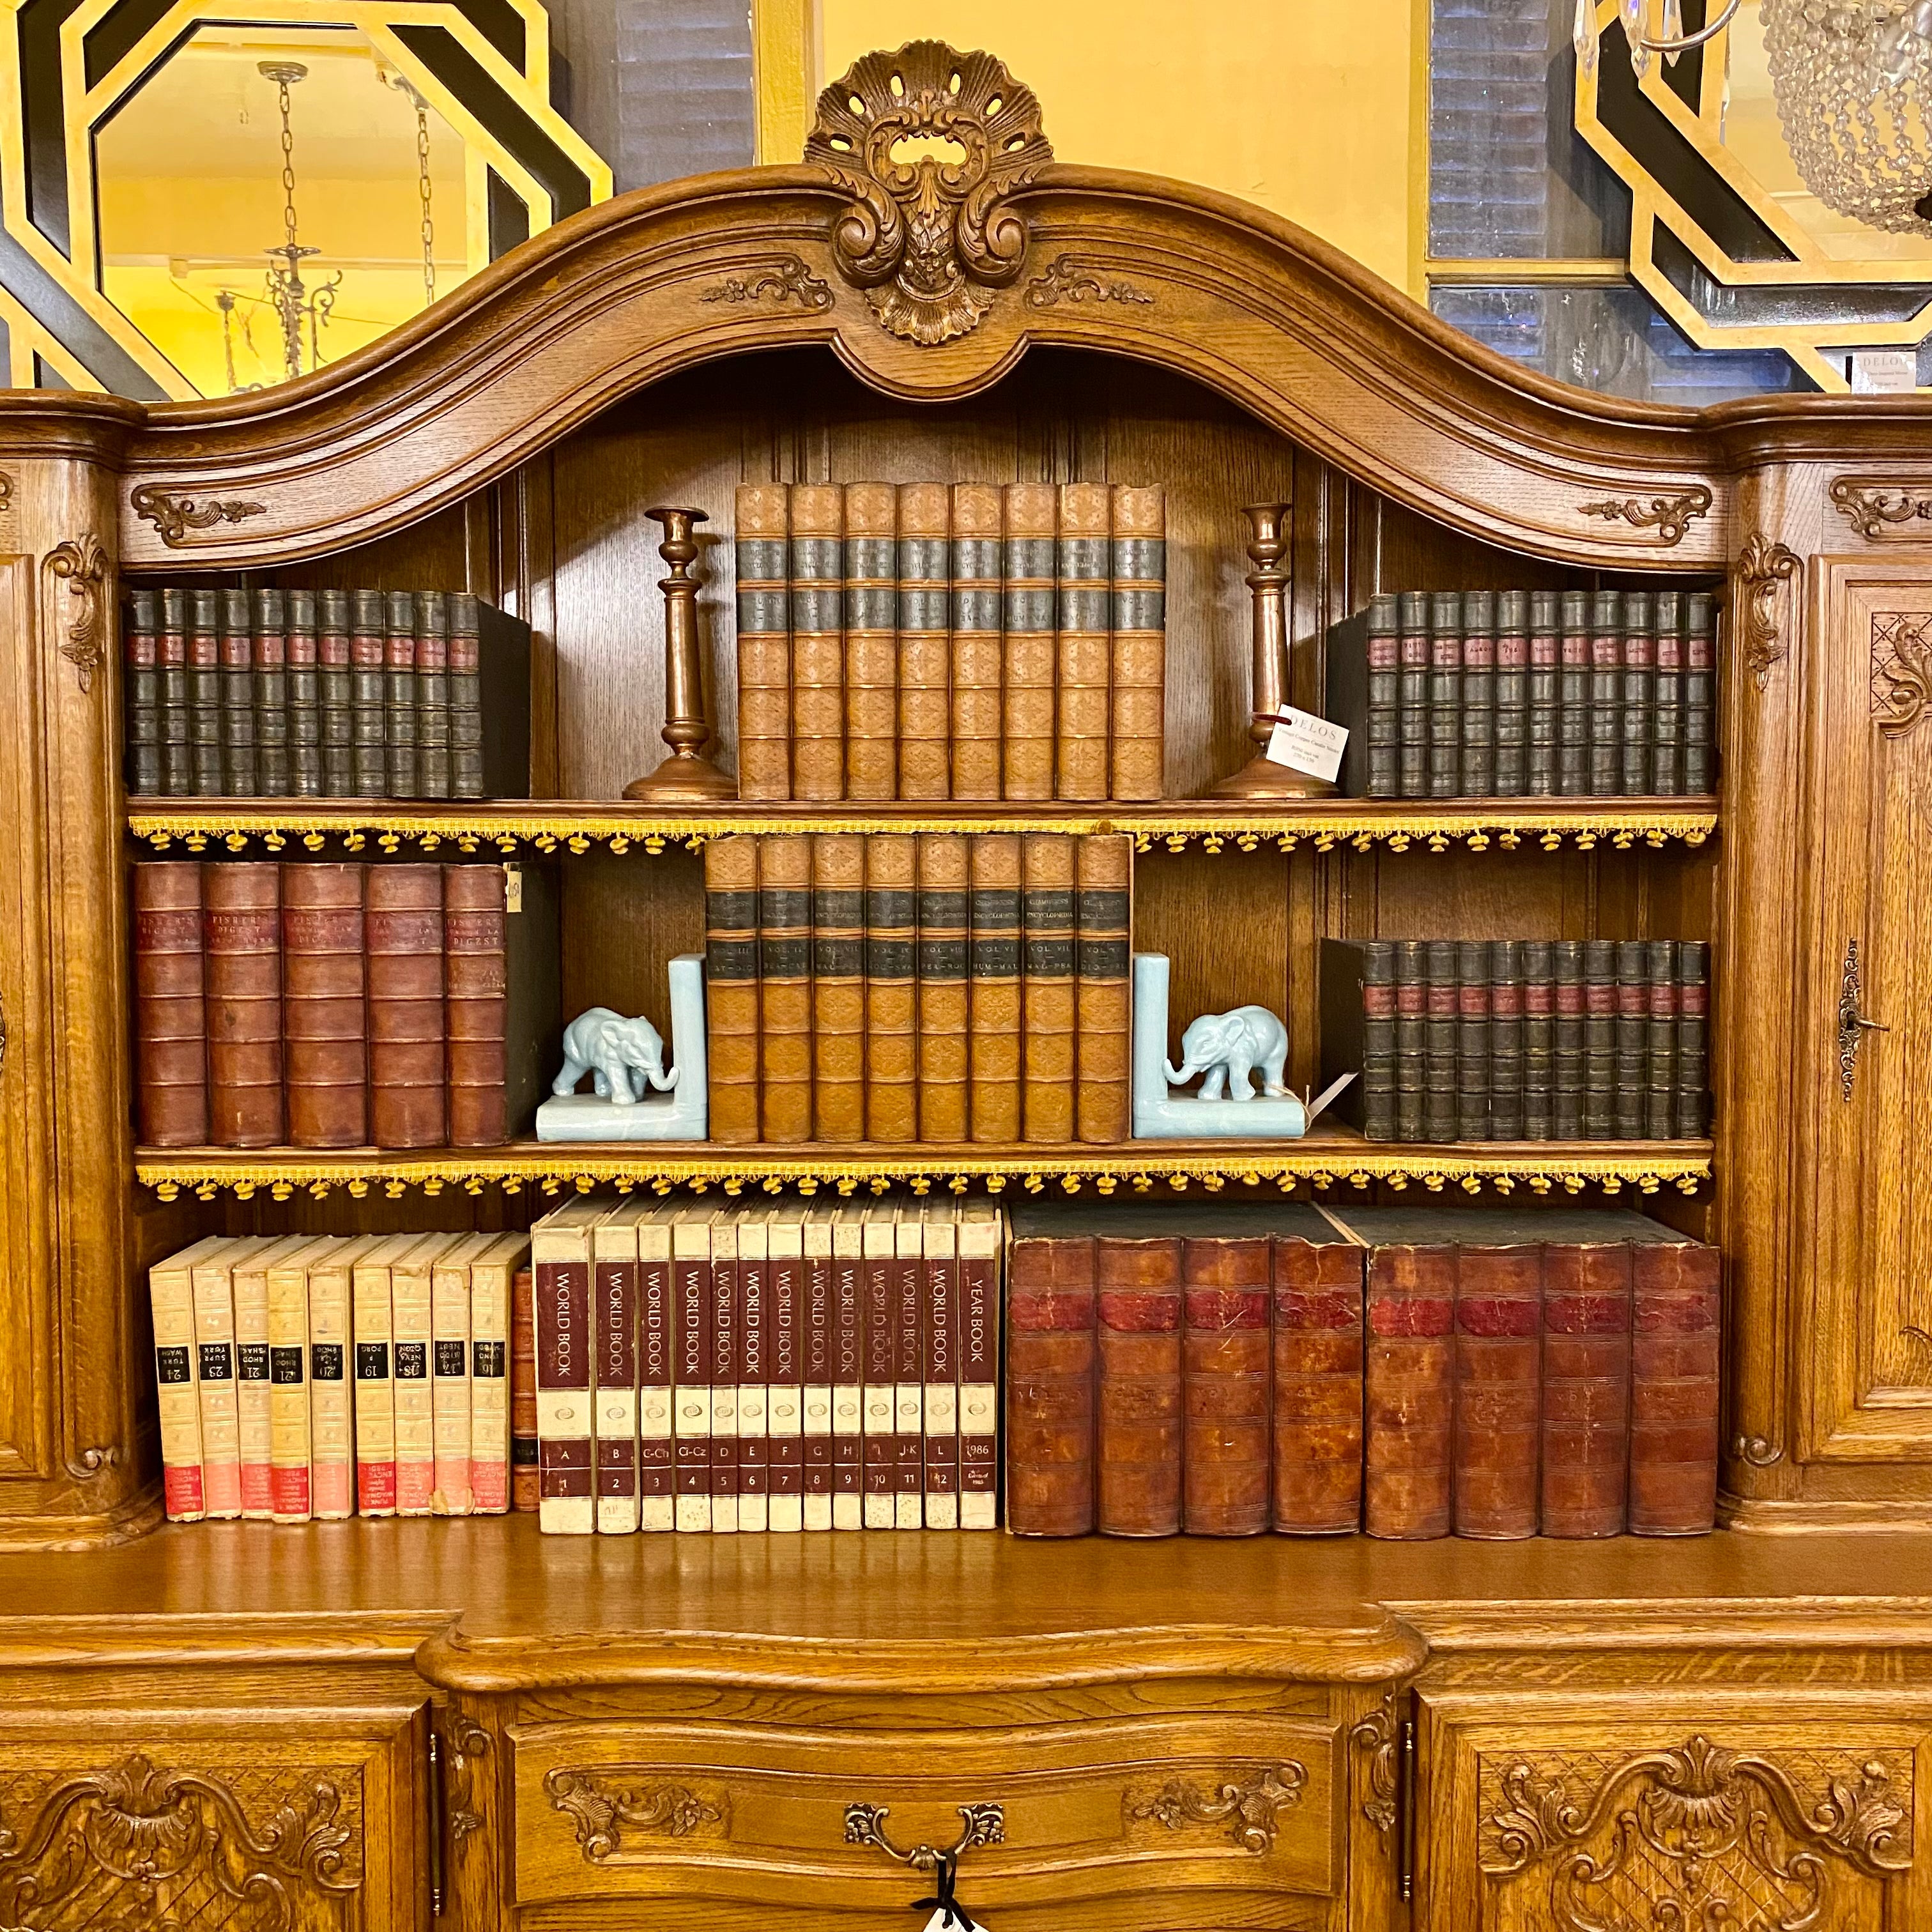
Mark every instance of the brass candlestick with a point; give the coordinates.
(686, 777)
(1261, 777)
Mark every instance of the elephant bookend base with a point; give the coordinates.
(1162, 1114)
(678, 1112)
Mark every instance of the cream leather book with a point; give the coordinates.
(451, 1402)
(877, 1273)
(332, 1377)
(755, 1313)
(724, 1373)
(815, 1320)
(178, 1379)
(691, 1358)
(847, 1362)
(785, 1457)
(413, 1311)
(213, 1278)
(908, 1372)
(939, 1271)
(249, 1283)
(657, 1472)
(613, 1304)
(566, 1453)
(285, 1286)
(491, 1273)
(373, 1315)
(981, 1228)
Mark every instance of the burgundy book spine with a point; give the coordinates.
(940, 1349)
(691, 1370)
(1226, 1401)
(878, 1279)
(1586, 1361)
(785, 1300)
(169, 1003)
(908, 1373)
(847, 1352)
(1498, 1292)
(1674, 1356)
(1408, 1392)
(1317, 1387)
(243, 919)
(476, 1003)
(1050, 1359)
(523, 1449)
(656, 1476)
(753, 1379)
(614, 1309)
(404, 925)
(1137, 1447)
(815, 1321)
(324, 1020)
(725, 1350)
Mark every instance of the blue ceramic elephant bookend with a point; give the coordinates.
(1224, 1048)
(634, 1095)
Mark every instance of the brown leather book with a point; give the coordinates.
(818, 553)
(891, 997)
(1137, 1436)
(1228, 1404)
(242, 920)
(170, 992)
(523, 1446)
(1051, 1354)
(1675, 1309)
(1028, 648)
(943, 999)
(1586, 1382)
(872, 641)
(1318, 1351)
(324, 1014)
(476, 1003)
(731, 987)
(403, 919)
(994, 966)
(399, 695)
(925, 721)
(784, 988)
(977, 565)
(838, 986)
(1082, 674)
(1047, 1034)
(764, 641)
(1138, 706)
(1498, 1292)
(1104, 871)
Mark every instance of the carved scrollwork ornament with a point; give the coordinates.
(1901, 669)
(1759, 1451)
(929, 239)
(787, 280)
(6, 492)
(1669, 516)
(1875, 511)
(1380, 1735)
(1762, 566)
(1250, 1807)
(173, 515)
(601, 1815)
(467, 1741)
(1064, 279)
(81, 564)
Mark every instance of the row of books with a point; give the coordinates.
(1226, 1370)
(303, 1377)
(968, 640)
(1526, 693)
(1511, 1040)
(325, 694)
(934, 987)
(784, 1368)
(334, 1006)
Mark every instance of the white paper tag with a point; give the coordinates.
(1306, 743)
(937, 1923)
(513, 889)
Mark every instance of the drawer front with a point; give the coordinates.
(1085, 1810)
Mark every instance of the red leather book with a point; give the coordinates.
(1137, 1445)
(171, 1036)
(242, 920)
(475, 1003)
(1586, 1362)
(523, 1450)
(1318, 1377)
(1050, 1378)
(1674, 1357)
(726, 1347)
(402, 923)
(877, 1286)
(324, 1019)
(1498, 1291)
(1227, 1403)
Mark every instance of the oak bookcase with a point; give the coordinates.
(367, 1724)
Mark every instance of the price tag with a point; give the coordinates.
(1308, 744)
(940, 1921)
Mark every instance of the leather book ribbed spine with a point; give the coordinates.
(204, 695)
(1693, 1007)
(1512, 694)
(784, 989)
(1607, 699)
(1666, 714)
(243, 921)
(467, 778)
(925, 645)
(731, 987)
(177, 726)
(838, 986)
(1572, 687)
(817, 550)
(1412, 1023)
(1050, 1015)
(1382, 709)
(1700, 695)
(1412, 694)
(401, 764)
(523, 1449)
(1377, 967)
(304, 709)
(944, 996)
(1440, 1025)
(1629, 1070)
(476, 1003)
(433, 769)
(1445, 693)
(1103, 864)
(976, 566)
(993, 1109)
(1138, 1432)
(764, 641)
(1639, 685)
(1542, 729)
(1478, 772)
(241, 765)
(1567, 1077)
(1050, 1357)
(170, 992)
(1319, 1353)
(1539, 1038)
(1032, 534)
(1498, 1370)
(1674, 1388)
(368, 694)
(1138, 702)
(1472, 1040)
(325, 1014)
(1586, 1387)
(892, 997)
(270, 652)
(1408, 1392)
(1082, 672)
(403, 920)
(335, 691)
(1227, 1401)
(1599, 1038)
(1506, 1032)
(872, 641)
(141, 692)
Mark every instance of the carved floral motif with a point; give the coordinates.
(468, 1742)
(1670, 517)
(174, 515)
(1901, 669)
(81, 564)
(1250, 1809)
(1876, 511)
(1380, 1734)
(1064, 280)
(602, 1814)
(1762, 566)
(787, 280)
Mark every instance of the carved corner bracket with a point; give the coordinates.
(1249, 1807)
(601, 1814)
(929, 236)
(1669, 516)
(1762, 566)
(1875, 511)
(174, 515)
(82, 565)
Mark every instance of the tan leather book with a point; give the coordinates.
(943, 999)
(1138, 706)
(892, 1001)
(872, 641)
(1028, 647)
(731, 987)
(977, 567)
(169, 1001)
(994, 967)
(1084, 595)
(925, 720)
(476, 965)
(1051, 1349)
(764, 642)
(1049, 1016)
(838, 986)
(1104, 874)
(403, 923)
(325, 1015)
(817, 549)
(1138, 1423)
(784, 988)
(243, 918)
(1225, 1398)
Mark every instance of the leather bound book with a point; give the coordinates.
(255, 1422)
(524, 1452)
(838, 986)
(1512, 694)
(1227, 1401)
(489, 701)
(369, 709)
(1599, 1039)
(1666, 714)
(657, 1473)
(872, 641)
(324, 1013)
(752, 1404)
(1694, 998)
(815, 1323)
(1640, 693)
(1445, 693)
(1375, 636)
(476, 1003)
(764, 641)
(982, 1235)
(212, 1283)
(178, 1379)
(335, 691)
(1573, 702)
(433, 706)
(1082, 672)
(943, 999)
(1499, 1348)
(690, 1365)
(205, 695)
(784, 1297)
(817, 550)
(909, 1322)
(1138, 1406)
(731, 987)
(304, 708)
(412, 1305)
(1049, 1034)
(1479, 693)
(1473, 1074)
(1103, 875)
(1439, 1029)
(847, 1350)
(925, 718)
(784, 989)
(1630, 1072)
(141, 690)
(1050, 1357)
(402, 921)
(493, 1272)
(722, 1371)
(1139, 714)
(1318, 1353)
(1032, 548)
(1411, 1008)
(1586, 1370)
(994, 966)
(331, 1378)
(892, 999)
(1606, 700)
(1674, 1387)
(399, 685)
(1700, 627)
(1541, 729)
(1539, 1038)
(177, 765)
(242, 916)
(939, 1339)
(1412, 694)
(290, 1443)
(372, 1318)
(1506, 1029)
(270, 654)
(450, 1405)
(1566, 1077)
(241, 767)
(560, 1262)
(977, 644)
(170, 1003)
(878, 1281)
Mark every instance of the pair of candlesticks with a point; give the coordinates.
(687, 777)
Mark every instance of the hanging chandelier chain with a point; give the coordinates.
(288, 160)
(423, 188)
